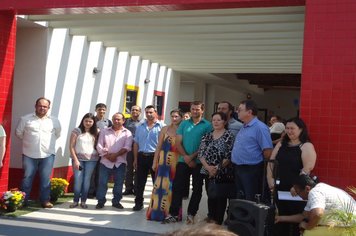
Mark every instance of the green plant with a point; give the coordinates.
(12, 199)
(35, 206)
(345, 216)
(58, 187)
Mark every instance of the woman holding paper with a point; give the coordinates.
(293, 156)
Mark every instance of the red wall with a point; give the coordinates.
(328, 93)
(7, 62)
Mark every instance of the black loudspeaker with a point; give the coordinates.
(247, 218)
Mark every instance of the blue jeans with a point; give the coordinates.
(82, 180)
(104, 175)
(248, 180)
(44, 167)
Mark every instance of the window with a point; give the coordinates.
(184, 106)
(130, 99)
(159, 104)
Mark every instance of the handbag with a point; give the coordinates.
(222, 186)
(221, 190)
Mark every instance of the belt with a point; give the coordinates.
(147, 154)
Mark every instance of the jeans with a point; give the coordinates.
(104, 175)
(183, 172)
(144, 165)
(82, 180)
(44, 167)
(248, 180)
(94, 181)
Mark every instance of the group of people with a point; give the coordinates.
(289, 169)
(224, 149)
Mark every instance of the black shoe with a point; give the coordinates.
(118, 206)
(99, 205)
(170, 219)
(137, 208)
(128, 192)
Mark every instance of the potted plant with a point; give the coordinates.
(11, 200)
(341, 222)
(58, 188)
(344, 218)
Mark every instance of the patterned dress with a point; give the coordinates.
(162, 189)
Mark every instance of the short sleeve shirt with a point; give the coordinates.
(215, 150)
(250, 141)
(147, 139)
(85, 146)
(234, 126)
(327, 197)
(191, 135)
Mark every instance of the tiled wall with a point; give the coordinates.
(328, 95)
(7, 58)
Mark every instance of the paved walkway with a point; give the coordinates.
(110, 217)
(36, 227)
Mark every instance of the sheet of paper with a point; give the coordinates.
(285, 195)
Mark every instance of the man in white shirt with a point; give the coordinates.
(322, 199)
(39, 133)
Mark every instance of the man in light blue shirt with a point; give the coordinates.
(252, 146)
(145, 143)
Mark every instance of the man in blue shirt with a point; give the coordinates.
(145, 143)
(252, 146)
(188, 139)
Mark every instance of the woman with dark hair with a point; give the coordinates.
(164, 164)
(215, 155)
(84, 157)
(293, 156)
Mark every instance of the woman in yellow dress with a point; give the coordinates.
(164, 164)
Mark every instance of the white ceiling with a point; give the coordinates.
(200, 42)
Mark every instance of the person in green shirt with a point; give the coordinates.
(188, 139)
